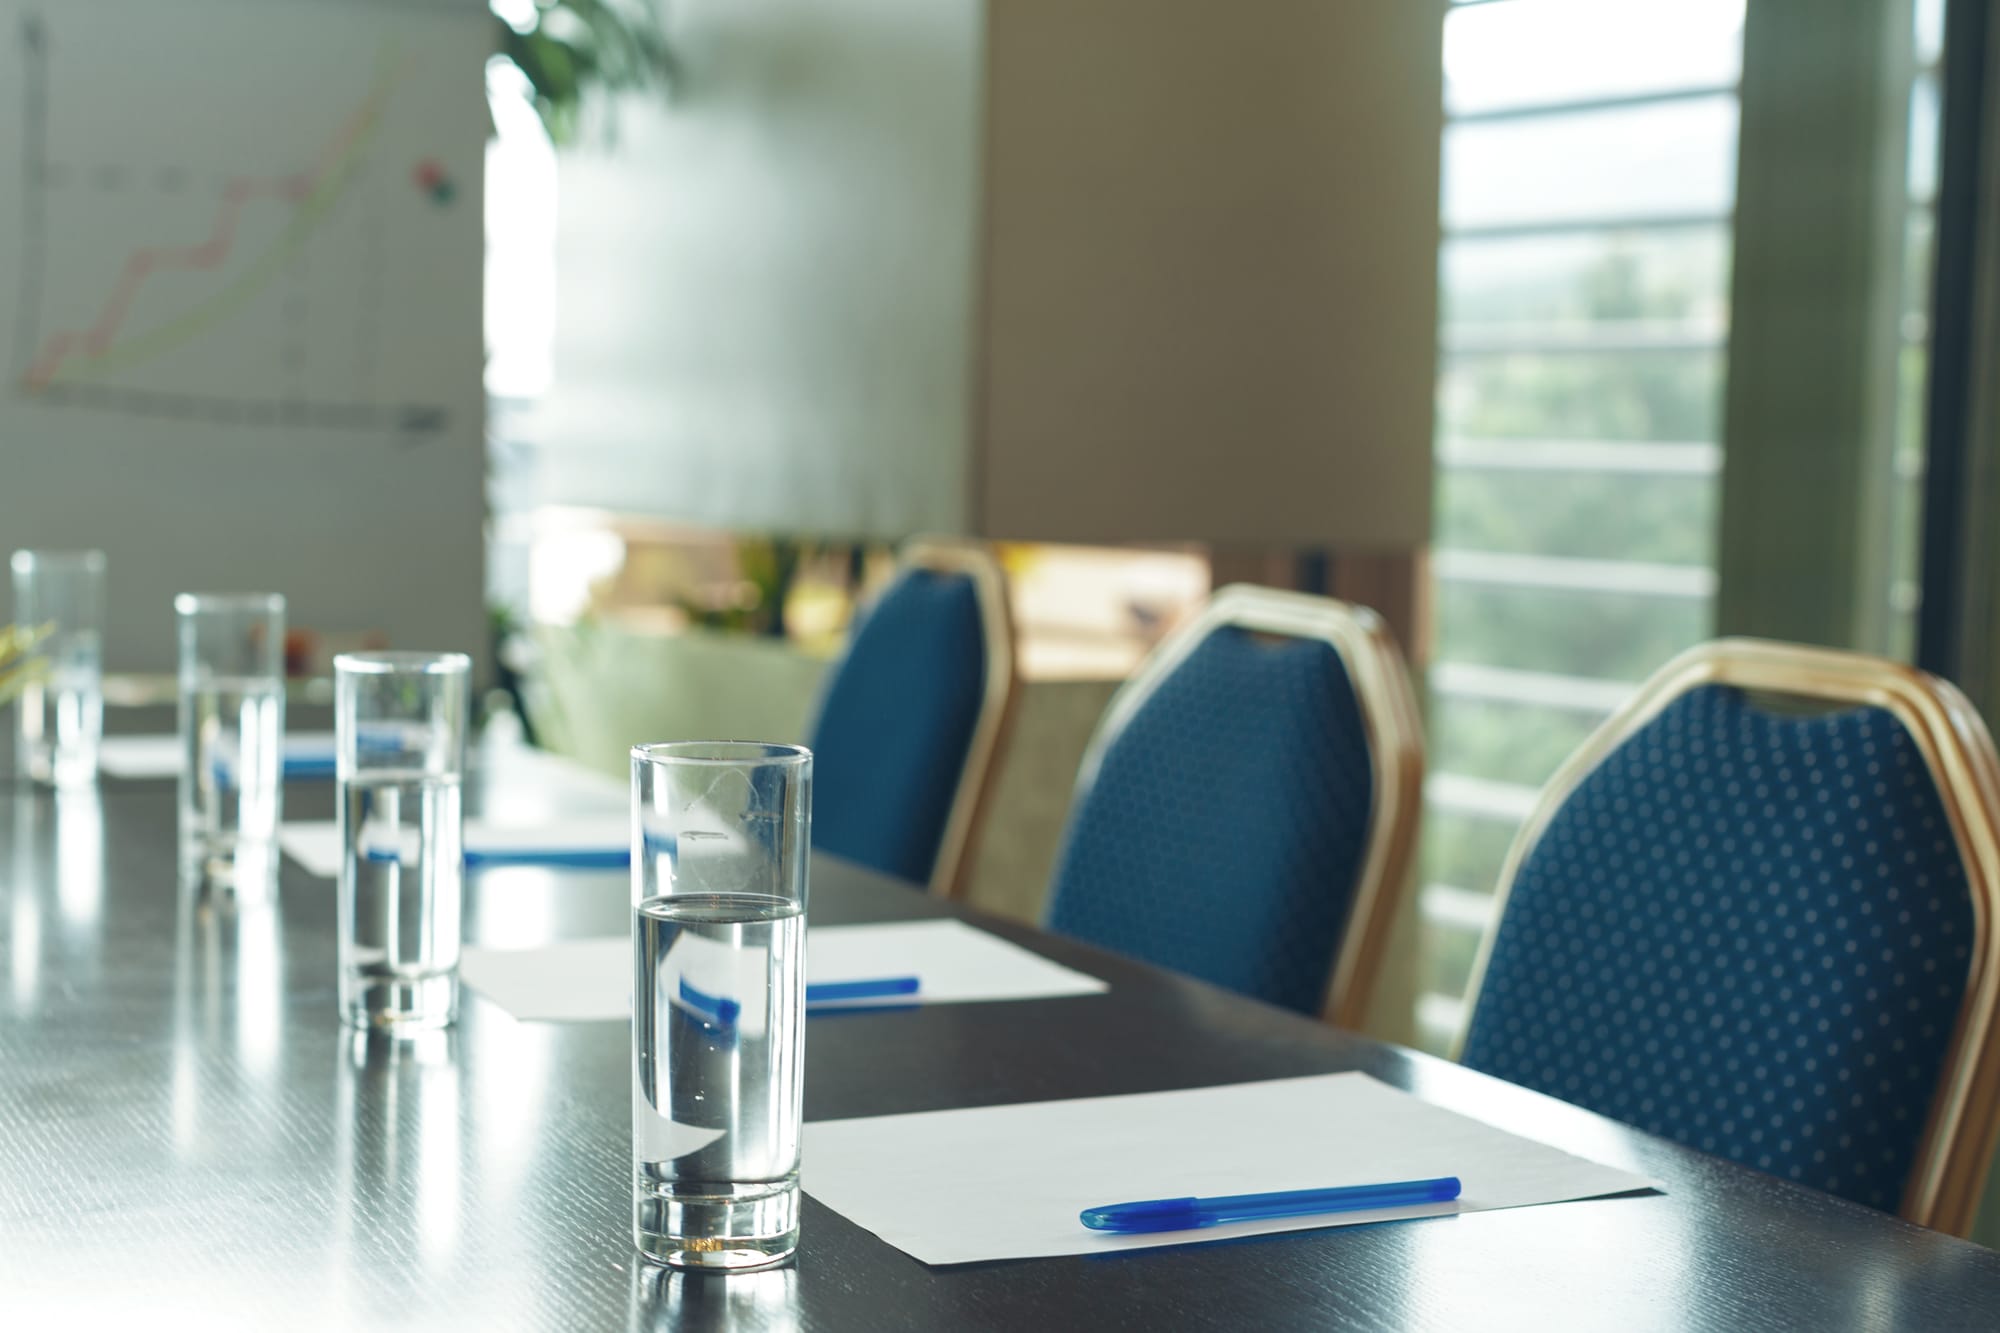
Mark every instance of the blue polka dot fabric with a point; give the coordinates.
(896, 723)
(1228, 822)
(1746, 931)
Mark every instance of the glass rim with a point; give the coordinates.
(713, 752)
(390, 662)
(194, 603)
(28, 557)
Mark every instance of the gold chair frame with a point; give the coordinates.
(967, 818)
(1395, 734)
(1949, 1172)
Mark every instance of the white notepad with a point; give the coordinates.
(581, 980)
(316, 844)
(1007, 1182)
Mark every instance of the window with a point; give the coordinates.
(1589, 178)
(1919, 235)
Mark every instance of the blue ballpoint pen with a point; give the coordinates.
(300, 766)
(725, 1010)
(1186, 1214)
(836, 992)
(291, 768)
(553, 858)
(311, 762)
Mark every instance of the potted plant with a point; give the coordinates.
(17, 668)
(573, 50)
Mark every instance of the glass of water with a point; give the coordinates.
(232, 712)
(399, 730)
(59, 595)
(720, 832)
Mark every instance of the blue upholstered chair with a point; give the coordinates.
(913, 718)
(1765, 932)
(1246, 810)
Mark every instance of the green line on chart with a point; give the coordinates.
(226, 302)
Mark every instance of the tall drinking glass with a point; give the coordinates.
(232, 711)
(399, 729)
(60, 715)
(720, 832)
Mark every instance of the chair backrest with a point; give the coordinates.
(1767, 933)
(913, 718)
(1246, 809)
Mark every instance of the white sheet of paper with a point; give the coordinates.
(160, 756)
(524, 785)
(316, 845)
(1007, 1182)
(954, 963)
(140, 756)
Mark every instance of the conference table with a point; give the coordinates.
(188, 1136)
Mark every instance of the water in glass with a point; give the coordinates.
(718, 1044)
(62, 714)
(231, 751)
(404, 874)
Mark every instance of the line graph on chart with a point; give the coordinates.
(263, 243)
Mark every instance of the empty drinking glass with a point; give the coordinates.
(399, 728)
(59, 598)
(232, 715)
(720, 836)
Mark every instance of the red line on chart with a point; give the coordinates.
(97, 339)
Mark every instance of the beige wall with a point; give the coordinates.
(1211, 255)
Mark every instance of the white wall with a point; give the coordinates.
(765, 287)
(243, 430)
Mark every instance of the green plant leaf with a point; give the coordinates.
(17, 669)
(584, 49)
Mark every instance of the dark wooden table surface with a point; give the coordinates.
(188, 1136)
